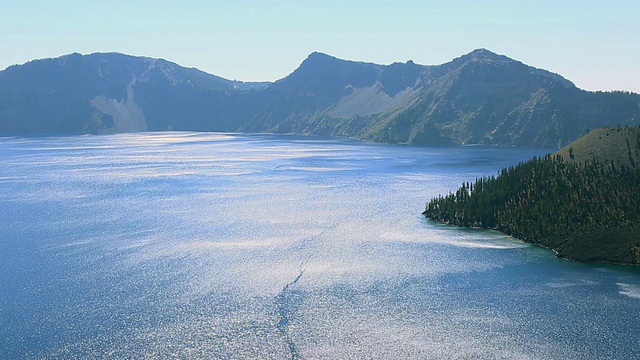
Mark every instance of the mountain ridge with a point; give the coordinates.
(480, 97)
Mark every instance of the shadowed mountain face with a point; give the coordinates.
(480, 97)
(115, 92)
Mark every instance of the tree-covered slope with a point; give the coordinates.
(587, 211)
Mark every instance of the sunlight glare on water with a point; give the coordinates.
(198, 245)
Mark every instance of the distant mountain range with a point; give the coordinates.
(480, 97)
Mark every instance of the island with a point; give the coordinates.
(583, 201)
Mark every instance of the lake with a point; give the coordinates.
(232, 246)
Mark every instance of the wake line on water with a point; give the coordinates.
(286, 301)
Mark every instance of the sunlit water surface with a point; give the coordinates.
(193, 245)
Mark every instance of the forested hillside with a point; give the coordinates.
(586, 211)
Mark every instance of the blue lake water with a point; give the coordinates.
(229, 246)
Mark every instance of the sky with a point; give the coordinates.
(595, 44)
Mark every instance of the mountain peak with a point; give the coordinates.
(319, 58)
(484, 56)
(320, 55)
(482, 52)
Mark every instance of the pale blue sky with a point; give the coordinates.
(595, 44)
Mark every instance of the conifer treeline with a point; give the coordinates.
(587, 212)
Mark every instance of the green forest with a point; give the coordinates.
(586, 211)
